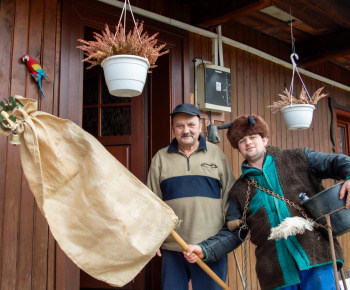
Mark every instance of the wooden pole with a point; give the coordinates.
(6, 117)
(200, 263)
(330, 237)
(343, 279)
(239, 269)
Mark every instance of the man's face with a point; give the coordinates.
(186, 129)
(252, 147)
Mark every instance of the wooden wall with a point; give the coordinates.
(255, 84)
(29, 256)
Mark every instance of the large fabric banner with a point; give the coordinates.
(105, 219)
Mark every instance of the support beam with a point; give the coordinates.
(339, 10)
(324, 48)
(216, 13)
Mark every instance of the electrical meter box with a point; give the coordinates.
(213, 88)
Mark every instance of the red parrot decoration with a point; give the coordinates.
(35, 70)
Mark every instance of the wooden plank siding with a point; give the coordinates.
(27, 249)
(29, 255)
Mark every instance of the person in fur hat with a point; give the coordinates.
(301, 260)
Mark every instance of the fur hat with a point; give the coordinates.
(245, 126)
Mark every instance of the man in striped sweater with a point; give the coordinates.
(193, 177)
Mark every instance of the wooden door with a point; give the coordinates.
(342, 120)
(132, 129)
(118, 123)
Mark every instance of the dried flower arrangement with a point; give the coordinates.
(134, 43)
(288, 99)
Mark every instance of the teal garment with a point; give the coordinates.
(291, 255)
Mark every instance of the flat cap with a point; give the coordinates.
(187, 109)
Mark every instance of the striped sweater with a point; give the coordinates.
(195, 187)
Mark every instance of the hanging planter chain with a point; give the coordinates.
(120, 19)
(295, 68)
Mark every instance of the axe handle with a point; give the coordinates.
(6, 117)
(200, 263)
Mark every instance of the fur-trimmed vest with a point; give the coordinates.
(295, 177)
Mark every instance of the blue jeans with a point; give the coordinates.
(177, 272)
(320, 278)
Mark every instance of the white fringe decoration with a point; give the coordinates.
(290, 227)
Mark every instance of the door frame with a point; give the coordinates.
(75, 15)
(336, 110)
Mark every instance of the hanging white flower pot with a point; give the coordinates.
(125, 75)
(298, 116)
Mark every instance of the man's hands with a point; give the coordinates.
(233, 225)
(344, 189)
(192, 253)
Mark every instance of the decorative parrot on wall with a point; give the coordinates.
(35, 70)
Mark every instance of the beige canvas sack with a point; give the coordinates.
(106, 220)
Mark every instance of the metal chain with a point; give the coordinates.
(299, 208)
(244, 216)
(245, 286)
(244, 219)
(242, 227)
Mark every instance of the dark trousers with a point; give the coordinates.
(177, 272)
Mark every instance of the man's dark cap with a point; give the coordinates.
(187, 109)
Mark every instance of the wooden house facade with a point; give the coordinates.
(133, 129)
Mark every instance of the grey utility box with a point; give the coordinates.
(213, 88)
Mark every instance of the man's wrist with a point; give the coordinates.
(205, 252)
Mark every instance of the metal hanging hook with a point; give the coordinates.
(292, 58)
(295, 69)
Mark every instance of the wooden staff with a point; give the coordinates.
(239, 269)
(331, 244)
(6, 117)
(200, 263)
(343, 278)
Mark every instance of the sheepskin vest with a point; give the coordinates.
(294, 177)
